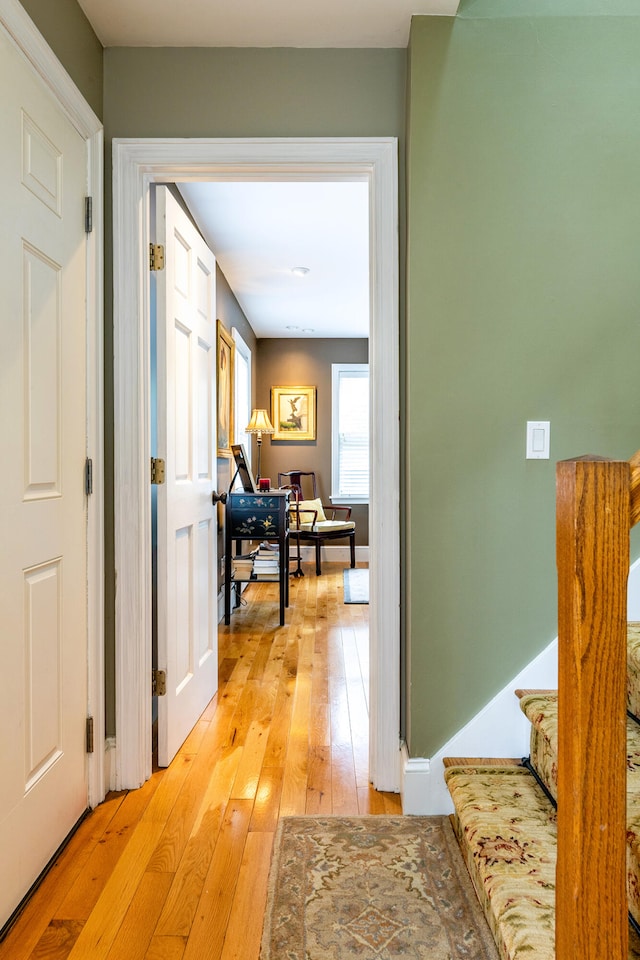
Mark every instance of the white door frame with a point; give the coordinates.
(137, 164)
(21, 29)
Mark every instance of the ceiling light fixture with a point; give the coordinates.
(291, 326)
(300, 271)
(308, 330)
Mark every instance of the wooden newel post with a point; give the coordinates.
(592, 529)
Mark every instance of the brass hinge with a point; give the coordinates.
(156, 256)
(88, 214)
(157, 470)
(89, 735)
(88, 476)
(159, 683)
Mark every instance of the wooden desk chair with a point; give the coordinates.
(311, 521)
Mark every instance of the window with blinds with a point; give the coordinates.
(350, 432)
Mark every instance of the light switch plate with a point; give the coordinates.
(538, 432)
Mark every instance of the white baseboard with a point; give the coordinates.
(500, 729)
(109, 759)
(333, 554)
(414, 781)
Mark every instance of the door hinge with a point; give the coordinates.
(157, 470)
(156, 256)
(88, 476)
(89, 735)
(88, 214)
(159, 683)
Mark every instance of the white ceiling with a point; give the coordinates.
(260, 232)
(254, 23)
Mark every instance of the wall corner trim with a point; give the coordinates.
(414, 782)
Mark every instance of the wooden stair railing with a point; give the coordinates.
(597, 501)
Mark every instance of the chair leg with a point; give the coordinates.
(318, 570)
(352, 547)
(298, 572)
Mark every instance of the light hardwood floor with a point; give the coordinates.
(178, 869)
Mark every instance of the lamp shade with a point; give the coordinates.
(259, 423)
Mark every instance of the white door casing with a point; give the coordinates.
(137, 164)
(187, 519)
(51, 550)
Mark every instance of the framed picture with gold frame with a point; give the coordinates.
(224, 385)
(293, 413)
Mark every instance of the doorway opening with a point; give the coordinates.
(137, 165)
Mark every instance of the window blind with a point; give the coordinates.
(351, 432)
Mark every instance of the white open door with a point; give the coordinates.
(187, 520)
(43, 507)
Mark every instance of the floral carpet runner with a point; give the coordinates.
(506, 826)
(375, 888)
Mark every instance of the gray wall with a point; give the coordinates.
(307, 363)
(230, 313)
(236, 93)
(233, 92)
(64, 26)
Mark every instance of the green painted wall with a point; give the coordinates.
(232, 92)
(64, 26)
(522, 304)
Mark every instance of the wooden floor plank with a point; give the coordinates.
(165, 797)
(244, 932)
(266, 807)
(179, 910)
(207, 935)
(41, 909)
(85, 892)
(319, 796)
(178, 870)
(138, 926)
(105, 920)
(57, 940)
(166, 948)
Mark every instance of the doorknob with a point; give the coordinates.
(218, 497)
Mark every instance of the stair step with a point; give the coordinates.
(506, 828)
(633, 671)
(506, 825)
(541, 709)
(633, 668)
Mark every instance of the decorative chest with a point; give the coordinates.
(257, 515)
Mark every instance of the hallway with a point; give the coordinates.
(178, 869)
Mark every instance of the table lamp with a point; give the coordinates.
(259, 424)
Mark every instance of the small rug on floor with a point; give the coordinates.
(356, 585)
(371, 887)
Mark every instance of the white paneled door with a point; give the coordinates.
(187, 535)
(43, 545)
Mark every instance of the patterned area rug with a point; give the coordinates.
(356, 585)
(371, 887)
